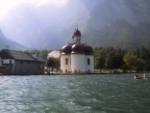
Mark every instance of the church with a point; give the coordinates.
(76, 57)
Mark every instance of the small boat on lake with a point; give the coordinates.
(141, 77)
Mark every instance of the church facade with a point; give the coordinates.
(76, 57)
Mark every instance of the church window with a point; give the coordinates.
(88, 61)
(66, 61)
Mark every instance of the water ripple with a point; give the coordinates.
(74, 94)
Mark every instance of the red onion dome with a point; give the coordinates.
(77, 48)
(76, 33)
(66, 49)
(88, 49)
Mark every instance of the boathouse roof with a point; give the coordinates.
(20, 55)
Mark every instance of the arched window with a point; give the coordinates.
(66, 61)
(88, 61)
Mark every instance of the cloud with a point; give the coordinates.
(7, 5)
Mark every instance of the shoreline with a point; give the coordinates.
(69, 74)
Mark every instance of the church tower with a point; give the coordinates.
(76, 37)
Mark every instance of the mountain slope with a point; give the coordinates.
(50, 27)
(119, 34)
(6, 42)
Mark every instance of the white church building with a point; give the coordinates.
(76, 57)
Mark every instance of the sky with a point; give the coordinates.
(7, 5)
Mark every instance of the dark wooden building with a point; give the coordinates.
(21, 63)
(1, 69)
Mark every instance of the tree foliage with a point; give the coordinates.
(99, 62)
(115, 58)
(43, 53)
(130, 59)
(133, 62)
(52, 63)
(57, 63)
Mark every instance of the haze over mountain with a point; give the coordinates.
(7, 42)
(119, 23)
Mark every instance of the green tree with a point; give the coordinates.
(57, 63)
(108, 57)
(129, 59)
(50, 63)
(106, 50)
(43, 53)
(133, 62)
(140, 65)
(113, 60)
(144, 53)
(99, 62)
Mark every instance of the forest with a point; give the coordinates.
(110, 58)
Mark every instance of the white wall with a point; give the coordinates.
(91, 66)
(77, 39)
(78, 63)
(63, 65)
(7, 61)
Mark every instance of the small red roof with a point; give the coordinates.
(77, 48)
(66, 49)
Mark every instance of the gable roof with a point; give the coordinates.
(19, 55)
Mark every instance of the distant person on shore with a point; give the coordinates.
(144, 75)
(135, 75)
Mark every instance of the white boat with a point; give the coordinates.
(141, 77)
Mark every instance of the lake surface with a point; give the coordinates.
(74, 94)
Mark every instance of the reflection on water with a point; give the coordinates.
(74, 94)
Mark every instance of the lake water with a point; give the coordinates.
(74, 94)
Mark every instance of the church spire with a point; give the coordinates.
(76, 37)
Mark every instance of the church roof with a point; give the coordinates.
(76, 33)
(66, 49)
(76, 48)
